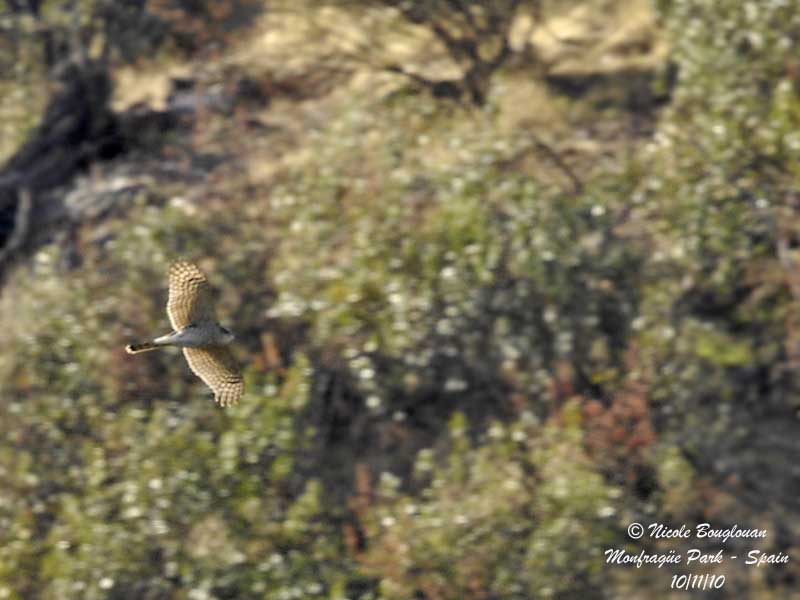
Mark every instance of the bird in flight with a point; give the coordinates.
(204, 341)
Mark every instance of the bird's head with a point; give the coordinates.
(227, 335)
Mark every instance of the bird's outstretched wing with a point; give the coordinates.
(217, 367)
(190, 299)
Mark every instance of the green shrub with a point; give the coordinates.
(506, 517)
(121, 477)
(463, 282)
(720, 197)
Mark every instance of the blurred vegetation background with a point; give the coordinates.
(506, 277)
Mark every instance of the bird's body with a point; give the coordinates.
(193, 336)
(204, 341)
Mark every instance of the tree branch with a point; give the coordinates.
(22, 221)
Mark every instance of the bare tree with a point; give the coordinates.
(474, 33)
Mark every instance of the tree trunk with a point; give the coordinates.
(78, 127)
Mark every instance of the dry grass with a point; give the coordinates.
(286, 45)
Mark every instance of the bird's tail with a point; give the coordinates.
(143, 347)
